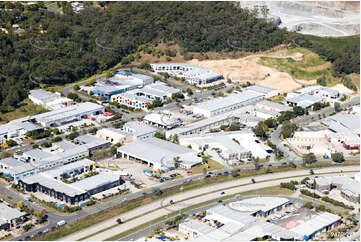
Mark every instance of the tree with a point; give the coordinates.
(11, 143)
(322, 80)
(119, 221)
(108, 74)
(288, 129)
(337, 157)
(159, 135)
(73, 96)
(256, 163)
(76, 87)
(57, 139)
(260, 130)
(270, 123)
(177, 95)
(189, 91)
(309, 158)
(308, 205)
(337, 107)
(39, 214)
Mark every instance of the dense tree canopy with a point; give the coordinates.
(61, 48)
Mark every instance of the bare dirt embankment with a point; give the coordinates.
(247, 69)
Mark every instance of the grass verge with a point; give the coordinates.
(118, 209)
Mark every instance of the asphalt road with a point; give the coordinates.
(156, 209)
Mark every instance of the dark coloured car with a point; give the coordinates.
(220, 201)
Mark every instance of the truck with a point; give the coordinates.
(60, 223)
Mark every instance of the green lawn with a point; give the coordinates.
(312, 66)
(26, 108)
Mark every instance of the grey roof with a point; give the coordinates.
(316, 88)
(232, 214)
(161, 87)
(138, 128)
(90, 140)
(53, 184)
(37, 154)
(8, 213)
(315, 223)
(111, 88)
(231, 228)
(43, 95)
(343, 123)
(353, 187)
(17, 125)
(304, 100)
(201, 124)
(202, 228)
(132, 95)
(93, 182)
(16, 166)
(188, 71)
(266, 112)
(223, 102)
(260, 89)
(155, 150)
(66, 112)
(65, 145)
(69, 167)
(275, 105)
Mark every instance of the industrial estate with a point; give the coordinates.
(177, 151)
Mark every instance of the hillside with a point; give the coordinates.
(61, 48)
(55, 49)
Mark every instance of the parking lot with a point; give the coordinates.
(136, 170)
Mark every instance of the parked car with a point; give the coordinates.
(220, 201)
(222, 193)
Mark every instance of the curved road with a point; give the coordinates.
(156, 209)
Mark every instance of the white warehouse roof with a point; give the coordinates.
(258, 204)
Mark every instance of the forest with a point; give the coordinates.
(62, 48)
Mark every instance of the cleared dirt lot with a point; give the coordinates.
(247, 69)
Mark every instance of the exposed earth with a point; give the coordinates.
(322, 18)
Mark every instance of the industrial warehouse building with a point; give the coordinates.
(308, 96)
(121, 83)
(49, 100)
(201, 126)
(317, 224)
(349, 188)
(68, 114)
(162, 120)
(63, 153)
(267, 92)
(345, 128)
(192, 74)
(16, 169)
(114, 136)
(232, 146)
(230, 149)
(156, 91)
(158, 153)
(229, 103)
(262, 206)
(8, 217)
(131, 99)
(73, 193)
(16, 128)
(139, 130)
(225, 223)
(71, 170)
(266, 109)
